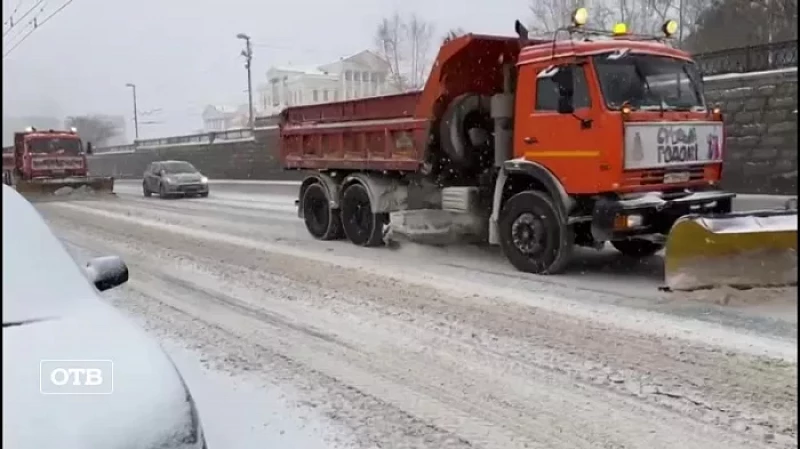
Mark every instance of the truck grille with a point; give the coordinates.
(655, 176)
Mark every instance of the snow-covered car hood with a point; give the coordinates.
(40, 279)
(148, 408)
(51, 311)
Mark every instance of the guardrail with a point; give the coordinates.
(231, 135)
(755, 58)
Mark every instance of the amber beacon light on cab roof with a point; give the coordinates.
(539, 145)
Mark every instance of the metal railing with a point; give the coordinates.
(755, 58)
(227, 136)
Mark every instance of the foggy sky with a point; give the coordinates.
(183, 54)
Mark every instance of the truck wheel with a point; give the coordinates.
(322, 222)
(361, 226)
(146, 191)
(532, 236)
(638, 248)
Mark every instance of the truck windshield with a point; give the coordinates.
(50, 145)
(178, 167)
(649, 82)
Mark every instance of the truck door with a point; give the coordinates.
(565, 142)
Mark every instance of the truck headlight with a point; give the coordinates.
(203, 180)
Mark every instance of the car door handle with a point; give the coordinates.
(530, 140)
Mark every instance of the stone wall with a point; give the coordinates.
(761, 132)
(223, 160)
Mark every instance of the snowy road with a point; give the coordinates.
(434, 348)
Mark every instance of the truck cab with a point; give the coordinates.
(616, 115)
(41, 154)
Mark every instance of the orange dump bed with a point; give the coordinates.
(392, 132)
(379, 133)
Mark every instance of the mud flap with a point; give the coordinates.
(65, 188)
(741, 250)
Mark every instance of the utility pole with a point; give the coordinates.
(248, 57)
(135, 112)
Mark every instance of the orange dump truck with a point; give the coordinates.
(536, 146)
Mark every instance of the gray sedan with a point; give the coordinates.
(174, 178)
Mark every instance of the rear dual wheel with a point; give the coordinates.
(322, 222)
(361, 226)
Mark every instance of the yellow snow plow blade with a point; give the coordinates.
(741, 250)
(65, 188)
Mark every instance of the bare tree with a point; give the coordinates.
(94, 128)
(419, 34)
(641, 16)
(739, 23)
(405, 44)
(388, 40)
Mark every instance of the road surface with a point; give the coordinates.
(447, 348)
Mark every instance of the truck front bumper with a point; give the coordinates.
(652, 214)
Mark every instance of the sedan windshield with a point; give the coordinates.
(649, 82)
(48, 145)
(178, 167)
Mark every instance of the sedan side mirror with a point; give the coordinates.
(107, 272)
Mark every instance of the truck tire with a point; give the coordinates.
(638, 248)
(361, 226)
(322, 222)
(464, 114)
(532, 236)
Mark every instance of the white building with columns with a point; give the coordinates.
(362, 75)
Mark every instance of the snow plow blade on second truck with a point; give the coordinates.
(740, 250)
(58, 189)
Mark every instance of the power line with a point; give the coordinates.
(13, 24)
(35, 27)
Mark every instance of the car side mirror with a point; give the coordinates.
(107, 272)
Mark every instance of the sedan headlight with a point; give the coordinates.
(203, 180)
(169, 180)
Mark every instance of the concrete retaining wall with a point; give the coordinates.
(761, 135)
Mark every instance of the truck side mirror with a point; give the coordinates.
(565, 82)
(89, 149)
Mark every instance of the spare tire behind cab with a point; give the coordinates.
(465, 131)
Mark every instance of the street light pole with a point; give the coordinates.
(248, 57)
(135, 112)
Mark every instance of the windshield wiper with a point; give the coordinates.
(637, 68)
